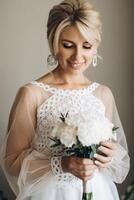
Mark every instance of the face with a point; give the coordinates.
(74, 52)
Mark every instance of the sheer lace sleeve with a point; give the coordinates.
(26, 168)
(119, 166)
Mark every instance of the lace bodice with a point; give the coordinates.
(63, 101)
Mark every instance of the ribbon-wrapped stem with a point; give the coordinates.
(86, 194)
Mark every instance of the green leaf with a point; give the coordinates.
(67, 114)
(53, 139)
(57, 141)
(114, 128)
(92, 155)
(63, 117)
(93, 147)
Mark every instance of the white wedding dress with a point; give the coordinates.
(35, 112)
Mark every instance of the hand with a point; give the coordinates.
(81, 167)
(108, 148)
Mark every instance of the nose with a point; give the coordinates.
(77, 54)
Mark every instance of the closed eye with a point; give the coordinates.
(87, 45)
(67, 45)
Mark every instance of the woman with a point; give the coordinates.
(33, 168)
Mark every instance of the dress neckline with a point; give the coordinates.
(91, 87)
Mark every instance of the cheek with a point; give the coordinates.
(93, 52)
(62, 56)
(90, 54)
(61, 59)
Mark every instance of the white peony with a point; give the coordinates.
(68, 135)
(65, 133)
(94, 131)
(56, 130)
(89, 127)
(75, 120)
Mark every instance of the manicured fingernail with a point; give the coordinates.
(96, 162)
(95, 155)
(100, 148)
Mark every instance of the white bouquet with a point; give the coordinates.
(81, 135)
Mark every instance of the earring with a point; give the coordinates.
(95, 59)
(51, 61)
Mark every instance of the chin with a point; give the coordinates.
(76, 71)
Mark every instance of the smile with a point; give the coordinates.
(75, 65)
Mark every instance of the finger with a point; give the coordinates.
(86, 173)
(109, 144)
(83, 173)
(85, 178)
(102, 159)
(86, 167)
(106, 151)
(100, 165)
(88, 178)
(84, 161)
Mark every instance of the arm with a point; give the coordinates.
(26, 169)
(21, 130)
(116, 164)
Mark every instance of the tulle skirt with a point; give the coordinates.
(100, 185)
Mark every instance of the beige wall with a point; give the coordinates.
(23, 52)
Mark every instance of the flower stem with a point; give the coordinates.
(87, 196)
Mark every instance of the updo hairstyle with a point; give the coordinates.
(73, 12)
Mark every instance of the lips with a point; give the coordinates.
(75, 65)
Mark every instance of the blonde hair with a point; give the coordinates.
(73, 12)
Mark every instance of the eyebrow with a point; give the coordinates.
(65, 40)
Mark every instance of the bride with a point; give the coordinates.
(33, 169)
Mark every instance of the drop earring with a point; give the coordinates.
(95, 59)
(51, 61)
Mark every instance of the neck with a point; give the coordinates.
(62, 77)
